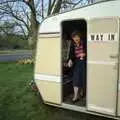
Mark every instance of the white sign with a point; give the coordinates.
(102, 37)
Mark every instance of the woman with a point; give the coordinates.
(77, 60)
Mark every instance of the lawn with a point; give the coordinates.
(19, 102)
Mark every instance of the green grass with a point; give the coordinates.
(18, 102)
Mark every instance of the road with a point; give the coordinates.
(13, 57)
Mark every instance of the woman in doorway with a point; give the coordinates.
(77, 60)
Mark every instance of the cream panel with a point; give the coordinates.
(50, 91)
(103, 25)
(102, 85)
(99, 51)
(48, 56)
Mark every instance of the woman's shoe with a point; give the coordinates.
(82, 94)
(75, 100)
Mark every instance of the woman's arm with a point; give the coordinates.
(71, 52)
(71, 56)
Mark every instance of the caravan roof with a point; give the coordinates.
(102, 9)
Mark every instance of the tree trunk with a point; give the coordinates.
(35, 25)
(33, 29)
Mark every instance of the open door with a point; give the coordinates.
(102, 68)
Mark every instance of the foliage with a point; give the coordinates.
(10, 37)
(26, 61)
(13, 41)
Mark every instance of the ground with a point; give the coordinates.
(19, 102)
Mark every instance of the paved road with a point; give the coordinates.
(13, 57)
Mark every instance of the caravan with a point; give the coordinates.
(99, 25)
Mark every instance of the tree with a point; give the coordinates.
(7, 28)
(10, 38)
(27, 14)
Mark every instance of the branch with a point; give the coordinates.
(16, 17)
(74, 4)
(22, 30)
(49, 7)
(57, 6)
(28, 18)
(11, 1)
(1, 16)
(31, 5)
(42, 6)
(37, 4)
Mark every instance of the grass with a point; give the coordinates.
(18, 102)
(14, 51)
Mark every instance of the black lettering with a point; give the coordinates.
(112, 37)
(92, 37)
(97, 37)
(101, 37)
(109, 37)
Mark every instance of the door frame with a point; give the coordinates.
(65, 20)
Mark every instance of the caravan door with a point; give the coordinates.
(102, 68)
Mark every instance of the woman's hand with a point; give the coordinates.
(82, 55)
(70, 63)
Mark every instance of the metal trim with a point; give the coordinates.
(51, 78)
(93, 107)
(49, 35)
(117, 90)
(84, 110)
(101, 62)
(79, 109)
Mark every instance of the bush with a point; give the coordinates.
(13, 42)
(26, 61)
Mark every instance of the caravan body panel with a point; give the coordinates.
(48, 68)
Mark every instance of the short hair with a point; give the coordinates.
(76, 33)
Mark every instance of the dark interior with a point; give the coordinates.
(67, 28)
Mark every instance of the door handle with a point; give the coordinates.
(114, 56)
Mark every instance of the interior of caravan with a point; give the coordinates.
(67, 27)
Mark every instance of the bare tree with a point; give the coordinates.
(28, 13)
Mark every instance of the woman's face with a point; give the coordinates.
(76, 39)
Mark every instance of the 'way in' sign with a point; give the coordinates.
(103, 37)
